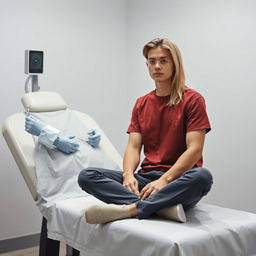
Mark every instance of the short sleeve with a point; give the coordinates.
(197, 118)
(134, 124)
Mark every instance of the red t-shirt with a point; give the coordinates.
(163, 128)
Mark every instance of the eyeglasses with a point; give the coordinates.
(162, 61)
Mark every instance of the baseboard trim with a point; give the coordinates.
(19, 243)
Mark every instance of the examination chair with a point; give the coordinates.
(22, 145)
(209, 231)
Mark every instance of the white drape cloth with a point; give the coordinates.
(209, 231)
(57, 172)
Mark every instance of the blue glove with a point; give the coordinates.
(65, 144)
(33, 125)
(93, 138)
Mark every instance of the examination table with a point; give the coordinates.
(209, 231)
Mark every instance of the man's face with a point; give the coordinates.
(160, 64)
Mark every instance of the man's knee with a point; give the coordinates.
(203, 176)
(87, 175)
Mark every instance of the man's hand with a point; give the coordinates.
(151, 188)
(131, 183)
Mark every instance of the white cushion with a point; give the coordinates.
(43, 101)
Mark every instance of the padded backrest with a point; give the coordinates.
(22, 145)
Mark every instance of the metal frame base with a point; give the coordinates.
(50, 247)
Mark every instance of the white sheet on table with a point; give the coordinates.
(209, 231)
(57, 172)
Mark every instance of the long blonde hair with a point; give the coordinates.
(178, 82)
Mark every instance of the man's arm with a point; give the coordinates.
(131, 161)
(195, 144)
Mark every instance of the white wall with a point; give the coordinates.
(93, 55)
(85, 48)
(217, 40)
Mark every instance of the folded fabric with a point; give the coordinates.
(48, 135)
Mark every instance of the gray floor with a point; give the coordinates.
(34, 252)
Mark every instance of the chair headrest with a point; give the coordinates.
(43, 101)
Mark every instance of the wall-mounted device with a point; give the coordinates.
(34, 63)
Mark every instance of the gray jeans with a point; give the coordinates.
(106, 185)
